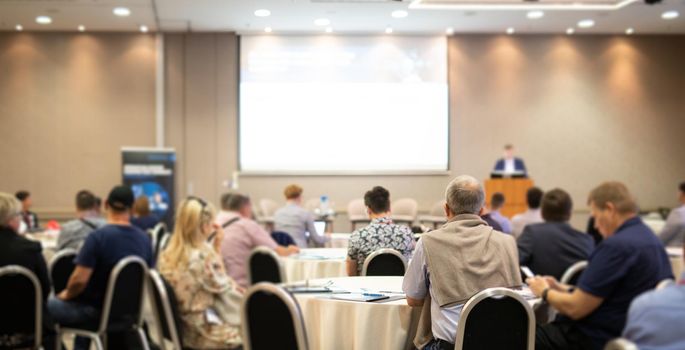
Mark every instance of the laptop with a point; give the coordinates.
(320, 226)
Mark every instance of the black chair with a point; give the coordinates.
(384, 262)
(166, 311)
(123, 304)
(621, 344)
(572, 274)
(272, 319)
(283, 239)
(496, 318)
(20, 290)
(265, 266)
(61, 267)
(157, 235)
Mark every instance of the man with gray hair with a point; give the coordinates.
(455, 262)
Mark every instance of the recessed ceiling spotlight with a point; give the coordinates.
(322, 21)
(535, 14)
(43, 20)
(670, 15)
(329, 30)
(630, 31)
(388, 30)
(399, 14)
(511, 30)
(81, 28)
(570, 31)
(122, 11)
(449, 31)
(268, 29)
(144, 29)
(262, 13)
(19, 27)
(586, 23)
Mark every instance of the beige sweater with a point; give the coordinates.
(464, 257)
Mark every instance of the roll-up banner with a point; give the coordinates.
(150, 172)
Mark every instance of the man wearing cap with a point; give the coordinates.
(80, 303)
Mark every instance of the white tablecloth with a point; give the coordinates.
(316, 263)
(48, 240)
(676, 257)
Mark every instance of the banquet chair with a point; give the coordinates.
(665, 283)
(264, 265)
(572, 274)
(272, 319)
(123, 304)
(20, 289)
(157, 235)
(496, 311)
(61, 267)
(356, 212)
(436, 216)
(404, 211)
(621, 344)
(384, 262)
(165, 306)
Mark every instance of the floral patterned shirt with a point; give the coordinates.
(380, 233)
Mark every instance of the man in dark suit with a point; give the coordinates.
(30, 218)
(17, 250)
(510, 165)
(552, 247)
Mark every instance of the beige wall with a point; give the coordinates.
(68, 102)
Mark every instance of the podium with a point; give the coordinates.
(514, 191)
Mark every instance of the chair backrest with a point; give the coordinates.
(272, 319)
(665, 283)
(438, 209)
(384, 262)
(166, 309)
(125, 293)
(500, 312)
(283, 238)
(267, 207)
(572, 274)
(21, 290)
(158, 233)
(356, 210)
(61, 267)
(404, 209)
(264, 265)
(621, 344)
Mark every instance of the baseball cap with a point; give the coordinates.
(120, 198)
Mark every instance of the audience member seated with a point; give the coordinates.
(17, 250)
(142, 217)
(552, 247)
(29, 218)
(208, 299)
(79, 305)
(242, 235)
(296, 221)
(496, 203)
(73, 233)
(673, 234)
(530, 216)
(380, 233)
(490, 221)
(630, 261)
(655, 319)
(458, 260)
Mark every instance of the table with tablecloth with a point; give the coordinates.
(316, 263)
(338, 240)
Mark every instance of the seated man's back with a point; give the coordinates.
(73, 233)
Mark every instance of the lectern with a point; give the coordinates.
(514, 191)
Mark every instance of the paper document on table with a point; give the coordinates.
(359, 297)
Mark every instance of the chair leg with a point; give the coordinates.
(98, 342)
(143, 338)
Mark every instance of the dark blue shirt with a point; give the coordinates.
(145, 222)
(622, 267)
(103, 249)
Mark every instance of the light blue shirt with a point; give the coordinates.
(501, 220)
(297, 222)
(655, 319)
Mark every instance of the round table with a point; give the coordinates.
(48, 240)
(316, 263)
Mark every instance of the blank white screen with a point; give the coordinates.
(343, 104)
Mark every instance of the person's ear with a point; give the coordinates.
(448, 212)
(480, 212)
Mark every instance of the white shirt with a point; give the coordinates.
(509, 166)
(519, 221)
(417, 283)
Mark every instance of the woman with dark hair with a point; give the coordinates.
(380, 233)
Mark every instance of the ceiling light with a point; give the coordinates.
(262, 13)
(43, 20)
(449, 31)
(586, 23)
(670, 15)
(570, 31)
(144, 29)
(81, 28)
(122, 11)
(535, 14)
(268, 29)
(19, 27)
(388, 30)
(322, 21)
(630, 31)
(510, 30)
(329, 30)
(399, 14)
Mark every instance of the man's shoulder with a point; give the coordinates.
(672, 296)
(25, 245)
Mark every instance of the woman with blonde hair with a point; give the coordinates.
(208, 299)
